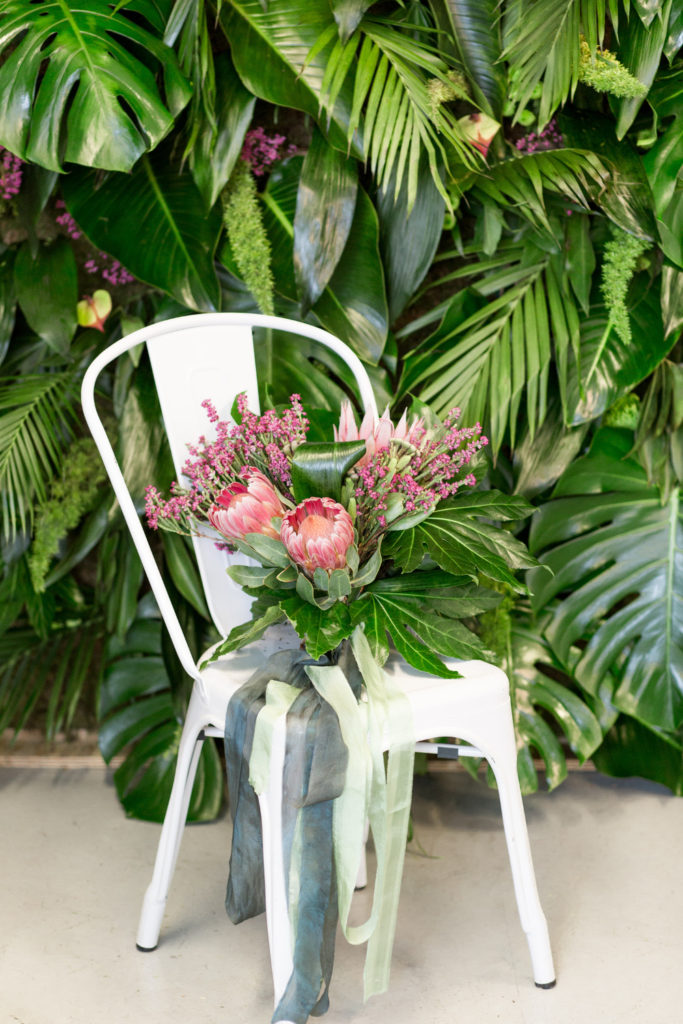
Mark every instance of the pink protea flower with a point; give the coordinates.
(317, 534)
(248, 507)
(377, 433)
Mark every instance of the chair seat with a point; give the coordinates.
(434, 701)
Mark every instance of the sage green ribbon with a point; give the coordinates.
(334, 780)
(385, 720)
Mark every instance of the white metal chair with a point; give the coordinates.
(211, 356)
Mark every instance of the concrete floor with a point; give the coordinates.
(607, 858)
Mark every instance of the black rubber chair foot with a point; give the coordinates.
(145, 949)
(547, 984)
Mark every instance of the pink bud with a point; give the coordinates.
(317, 534)
(246, 508)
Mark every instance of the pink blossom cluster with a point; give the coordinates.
(261, 150)
(111, 270)
(263, 444)
(10, 174)
(416, 474)
(66, 221)
(549, 138)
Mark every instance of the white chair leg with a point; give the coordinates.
(491, 730)
(277, 915)
(530, 911)
(154, 902)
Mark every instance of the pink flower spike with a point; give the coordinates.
(246, 508)
(317, 534)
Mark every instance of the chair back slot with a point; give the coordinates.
(214, 361)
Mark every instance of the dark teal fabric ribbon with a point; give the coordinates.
(314, 774)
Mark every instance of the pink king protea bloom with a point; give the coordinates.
(377, 433)
(246, 508)
(317, 534)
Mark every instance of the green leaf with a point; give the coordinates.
(47, 291)
(246, 633)
(8, 301)
(648, 10)
(670, 227)
(348, 14)
(609, 367)
(270, 46)
(580, 258)
(155, 223)
(674, 40)
(339, 584)
(631, 748)
(663, 165)
(318, 470)
(37, 185)
(37, 417)
(321, 631)
(460, 543)
(183, 569)
(476, 33)
(353, 306)
(542, 47)
(617, 555)
(325, 205)
(138, 712)
(253, 576)
(540, 459)
(74, 86)
(485, 357)
(640, 49)
(536, 696)
(419, 634)
(267, 549)
(144, 779)
(213, 156)
(623, 193)
(672, 300)
(408, 239)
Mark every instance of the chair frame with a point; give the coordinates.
(476, 708)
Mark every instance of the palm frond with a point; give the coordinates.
(523, 182)
(37, 413)
(59, 666)
(492, 352)
(393, 105)
(542, 44)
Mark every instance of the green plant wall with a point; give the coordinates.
(483, 200)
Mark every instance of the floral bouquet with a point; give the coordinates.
(375, 537)
(379, 528)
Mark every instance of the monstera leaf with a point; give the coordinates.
(535, 695)
(74, 73)
(616, 556)
(138, 718)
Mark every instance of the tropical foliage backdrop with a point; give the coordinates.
(482, 198)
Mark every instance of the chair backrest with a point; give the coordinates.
(208, 355)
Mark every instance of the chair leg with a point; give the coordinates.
(154, 902)
(504, 765)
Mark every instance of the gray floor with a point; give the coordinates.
(607, 858)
